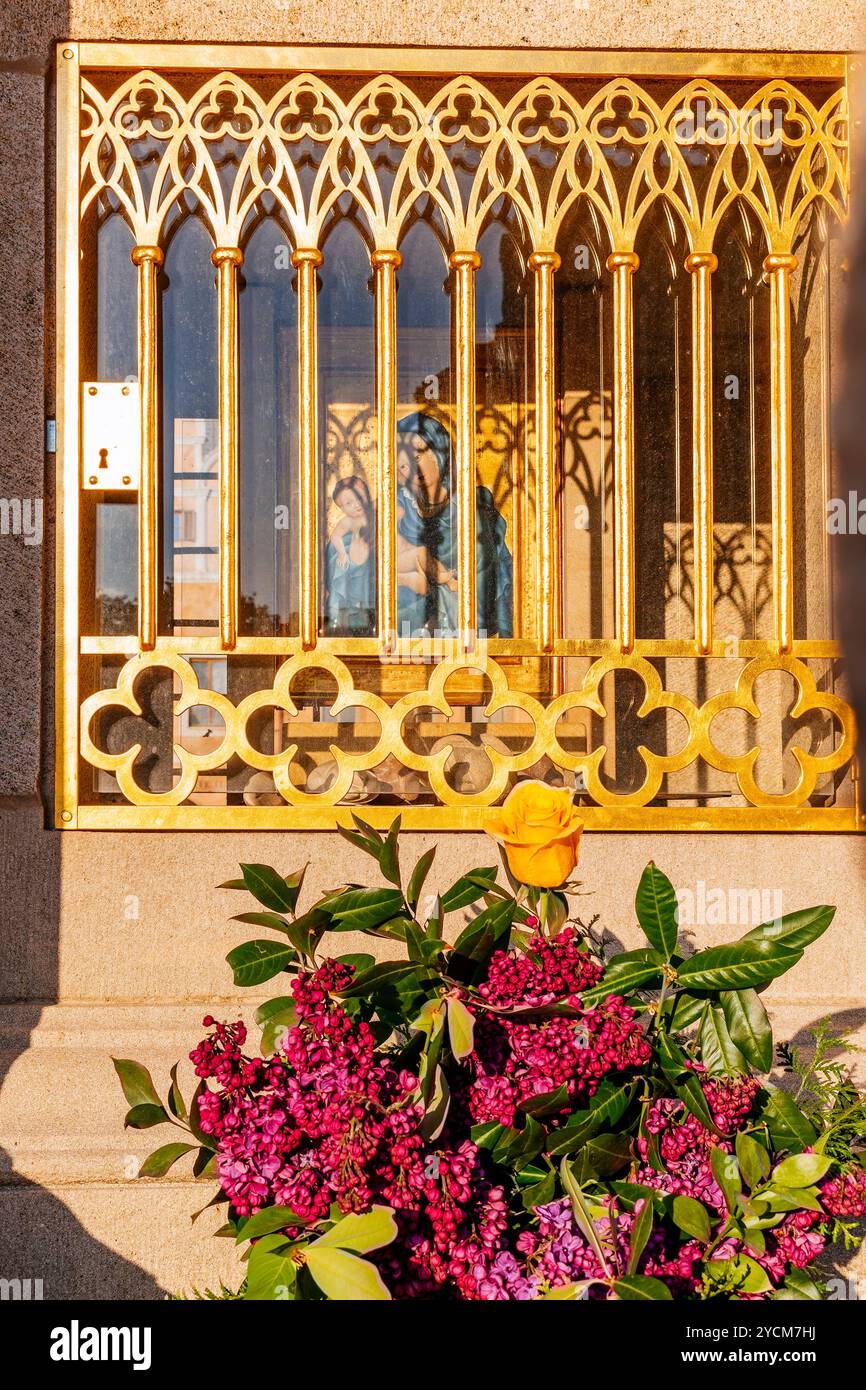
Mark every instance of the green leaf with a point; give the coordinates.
(608, 1105)
(275, 1017)
(206, 1140)
(749, 1026)
(176, 1103)
(359, 960)
(749, 1276)
(691, 1093)
(753, 1159)
(736, 966)
(601, 1156)
(362, 1233)
(799, 1286)
(687, 1010)
(263, 919)
(371, 847)
(145, 1117)
(625, 972)
(461, 1030)
(157, 1164)
(419, 875)
(468, 889)
(726, 1171)
(692, 1217)
(639, 1287)
(281, 1007)
(387, 972)
(656, 907)
(582, 1214)
(257, 961)
(540, 1193)
(545, 1102)
(571, 1292)
(361, 909)
(136, 1082)
(718, 1052)
(271, 1271)
(487, 931)
(343, 1277)
(790, 1199)
(795, 930)
(269, 1220)
(789, 1127)
(488, 1135)
(640, 1234)
(271, 889)
(205, 1165)
(389, 861)
(438, 1106)
(800, 1170)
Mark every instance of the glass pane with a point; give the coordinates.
(109, 523)
(504, 347)
(268, 328)
(426, 511)
(821, 509)
(190, 433)
(741, 433)
(347, 393)
(664, 570)
(584, 382)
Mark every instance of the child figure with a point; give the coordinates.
(415, 566)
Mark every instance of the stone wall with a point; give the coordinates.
(114, 944)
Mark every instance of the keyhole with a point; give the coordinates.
(103, 458)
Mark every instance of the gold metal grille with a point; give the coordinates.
(185, 99)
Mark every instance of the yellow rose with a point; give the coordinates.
(540, 830)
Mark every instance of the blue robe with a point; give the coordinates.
(436, 611)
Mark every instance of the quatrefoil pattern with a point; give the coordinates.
(545, 734)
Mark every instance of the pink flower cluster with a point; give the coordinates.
(326, 1121)
(845, 1195)
(516, 1059)
(684, 1145)
(550, 971)
(330, 1120)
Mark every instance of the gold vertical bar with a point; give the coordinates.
(700, 265)
(227, 259)
(307, 261)
(622, 265)
(545, 264)
(67, 405)
(385, 265)
(148, 259)
(465, 264)
(778, 268)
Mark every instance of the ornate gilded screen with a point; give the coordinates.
(427, 422)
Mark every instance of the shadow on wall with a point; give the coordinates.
(40, 1238)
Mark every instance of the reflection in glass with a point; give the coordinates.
(741, 432)
(268, 329)
(664, 570)
(583, 336)
(816, 297)
(190, 432)
(347, 355)
(113, 518)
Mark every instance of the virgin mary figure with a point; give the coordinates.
(427, 539)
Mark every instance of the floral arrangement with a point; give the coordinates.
(503, 1113)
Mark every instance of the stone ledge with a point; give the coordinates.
(61, 1107)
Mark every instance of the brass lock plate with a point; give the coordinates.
(110, 436)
